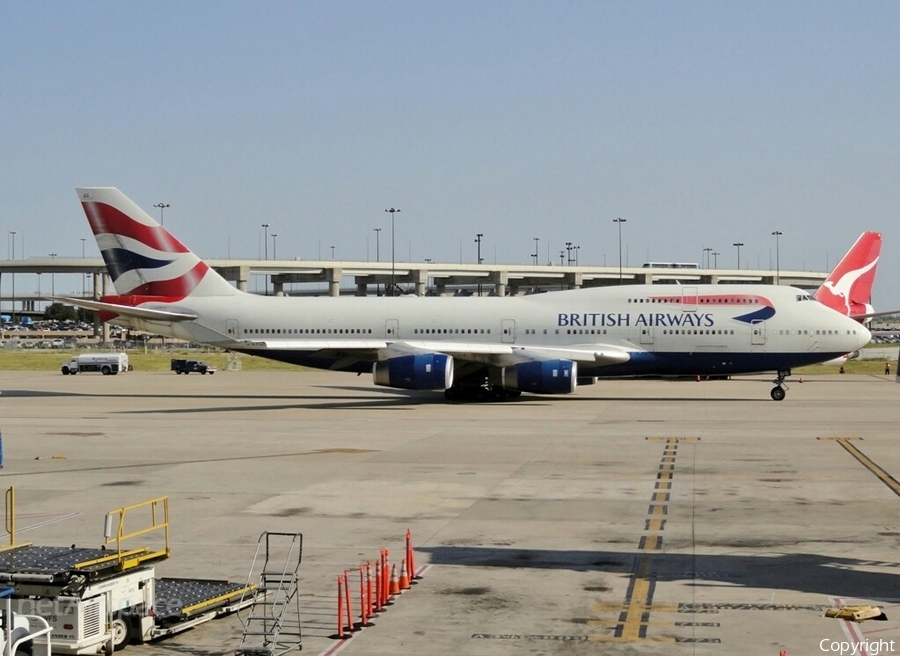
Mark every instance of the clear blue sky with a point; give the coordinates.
(700, 123)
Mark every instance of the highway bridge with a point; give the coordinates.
(364, 278)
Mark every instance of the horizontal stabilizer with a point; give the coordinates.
(874, 315)
(125, 310)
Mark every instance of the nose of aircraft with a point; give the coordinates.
(862, 333)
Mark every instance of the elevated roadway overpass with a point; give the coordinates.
(412, 277)
(378, 277)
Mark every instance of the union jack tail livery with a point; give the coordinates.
(145, 262)
(848, 289)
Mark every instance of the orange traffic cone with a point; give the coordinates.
(404, 577)
(395, 582)
(801, 379)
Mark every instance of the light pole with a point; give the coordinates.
(715, 256)
(332, 253)
(562, 257)
(537, 243)
(739, 244)
(161, 206)
(82, 247)
(392, 211)
(274, 246)
(619, 223)
(12, 234)
(777, 234)
(706, 252)
(378, 257)
(265, 227)
(576, 248)
(52, 274)
(478, 241)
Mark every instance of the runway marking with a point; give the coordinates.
(654, 524)
(634, 613)
(869, 464)
(650, 543)
(667, 624)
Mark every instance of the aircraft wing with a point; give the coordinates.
(495, 354)
(126, 310)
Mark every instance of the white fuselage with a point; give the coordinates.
(664, 329)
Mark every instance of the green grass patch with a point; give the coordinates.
(27, 360)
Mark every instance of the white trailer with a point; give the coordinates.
(108, 364)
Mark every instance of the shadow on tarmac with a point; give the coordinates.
(798, 572)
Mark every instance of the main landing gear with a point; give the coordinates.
(780, 390)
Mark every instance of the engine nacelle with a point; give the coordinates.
(541, 377)
(429, 371)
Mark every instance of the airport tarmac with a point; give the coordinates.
(634, 517)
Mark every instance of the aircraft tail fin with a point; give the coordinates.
(142, 257)
(848, 288)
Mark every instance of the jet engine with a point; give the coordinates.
(541, 377)
(428, 371)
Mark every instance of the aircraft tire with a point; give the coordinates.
(778, 393)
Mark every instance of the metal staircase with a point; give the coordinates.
(272, 623)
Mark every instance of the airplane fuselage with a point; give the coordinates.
(664, 329)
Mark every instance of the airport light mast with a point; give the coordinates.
(619, 223)
(392, 211)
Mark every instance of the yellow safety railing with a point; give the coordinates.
(11, 515)
(116, 533)
(10, 520)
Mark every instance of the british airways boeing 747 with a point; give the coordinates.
(489, 348)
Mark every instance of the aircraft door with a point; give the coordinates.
(508, 331)
(392, 329)
(758, 332)
(232, 328)
(689, 299)
(646, 334)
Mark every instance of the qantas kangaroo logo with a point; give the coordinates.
(844, 286)
(848, 289)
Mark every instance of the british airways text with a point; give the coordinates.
(613, 319)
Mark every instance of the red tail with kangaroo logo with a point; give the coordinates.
(848, 289)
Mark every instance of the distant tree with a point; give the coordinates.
(85, 315)
(60, 312)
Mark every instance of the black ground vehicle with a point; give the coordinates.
(187, 366)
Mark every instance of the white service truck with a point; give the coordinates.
(108, 364)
